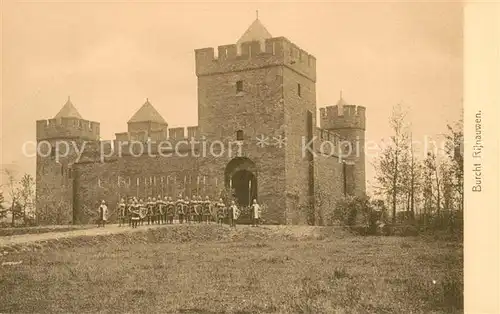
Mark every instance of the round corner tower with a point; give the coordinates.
(349, 122)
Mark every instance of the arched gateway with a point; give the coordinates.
(241, 176)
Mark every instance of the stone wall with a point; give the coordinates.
(54, 183)
(256, 110)
(130, 176)
(296, 163)
(329, 186)
(147, 176)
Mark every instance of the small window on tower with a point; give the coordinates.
(298, 90)
(239, 86)
(239, 135)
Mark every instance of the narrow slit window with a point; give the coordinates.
(239, 86)
(239, 135)
(298, 90)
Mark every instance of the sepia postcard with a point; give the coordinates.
(238, 157)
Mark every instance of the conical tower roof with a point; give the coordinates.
(255, 32)
(341, 102)
(147, 113)
(68, 111)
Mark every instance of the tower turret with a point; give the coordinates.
(67, 124)
(147, 118)
(59, 141)
(349, 122)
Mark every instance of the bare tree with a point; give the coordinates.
(12, 191)
(435, 179)
(26, 194)
(454, 150)
(3, 210)
(392, 161)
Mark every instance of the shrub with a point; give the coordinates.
(347, 210)
(360, 214)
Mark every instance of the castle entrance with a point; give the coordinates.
(244, 184)
(241, 178)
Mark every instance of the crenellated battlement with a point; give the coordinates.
(171, 134)
(67, 127)
(343, 117)
(277, 51)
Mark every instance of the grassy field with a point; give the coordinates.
(213, 269)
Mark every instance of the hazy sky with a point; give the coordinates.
(110, 56)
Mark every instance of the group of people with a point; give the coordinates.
(135, 212)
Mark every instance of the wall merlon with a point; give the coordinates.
(193, 132)
(251, 49)
(176, 133)
(159, 135)
(124, 136)
(227, 52)
(205, 53)
(274, 46)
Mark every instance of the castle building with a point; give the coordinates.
(257, 136)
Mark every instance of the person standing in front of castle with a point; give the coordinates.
(193, 209)
(135, 214)
(221, 211)
(143, 211)
(130, 209)
(233, 214)
(255, 213)
(150, 206)
(122, 207)
(159, 209)
(170, 211)
(179, 207)
(199, 203)
(103, 213)
(206, 209)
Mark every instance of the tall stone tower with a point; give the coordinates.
(262, 86)
(58, 140)
(348, 121)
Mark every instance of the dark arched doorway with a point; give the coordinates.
(244, 184)
(241, 179)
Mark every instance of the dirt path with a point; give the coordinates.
(31, 238)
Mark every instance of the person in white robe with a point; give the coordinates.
(256, 213)
(103, 214)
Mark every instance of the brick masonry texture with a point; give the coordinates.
(277, 91)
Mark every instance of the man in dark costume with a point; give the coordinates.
(170, 211)
(179, 207)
